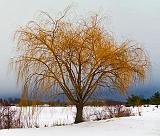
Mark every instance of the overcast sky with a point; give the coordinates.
(134, 19)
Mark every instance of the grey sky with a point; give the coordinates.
(135, 19)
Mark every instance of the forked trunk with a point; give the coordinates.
(79, 114)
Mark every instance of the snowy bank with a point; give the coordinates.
(145, 125)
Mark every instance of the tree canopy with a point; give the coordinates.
(74, 58)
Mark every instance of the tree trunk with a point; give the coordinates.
(79, 114)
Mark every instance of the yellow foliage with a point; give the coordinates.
(75, 58)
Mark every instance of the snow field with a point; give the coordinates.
(57, 116)
(145, 125)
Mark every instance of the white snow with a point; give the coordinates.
(146, 125)
(53, 116)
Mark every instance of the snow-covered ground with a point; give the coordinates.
(56, 116)
(146, 125)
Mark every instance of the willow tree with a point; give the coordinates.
(75, 58)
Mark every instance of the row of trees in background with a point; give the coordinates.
(9, 101)
(132, 100)
(17, 102)
(137, 100)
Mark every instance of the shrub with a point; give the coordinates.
(9, 118)
(110, 112)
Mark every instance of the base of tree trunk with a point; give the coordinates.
(79, 114)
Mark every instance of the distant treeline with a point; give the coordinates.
(134, 100)
(67, 103)
(21, 102)
(9, 101)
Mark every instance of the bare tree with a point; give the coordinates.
(74, 58)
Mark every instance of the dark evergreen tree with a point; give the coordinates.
(155, 99)
(134, 100)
